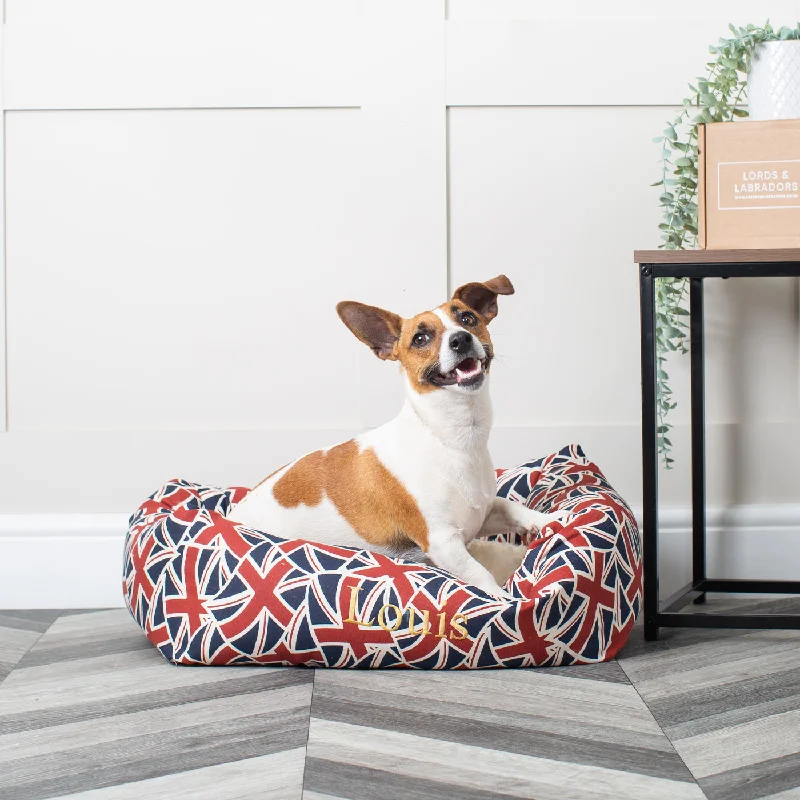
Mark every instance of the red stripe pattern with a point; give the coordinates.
(206, 590)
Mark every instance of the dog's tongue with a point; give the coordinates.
(468, 368)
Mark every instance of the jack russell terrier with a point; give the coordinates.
(423, 481)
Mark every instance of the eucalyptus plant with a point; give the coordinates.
(718, 97)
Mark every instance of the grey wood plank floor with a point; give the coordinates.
(19, 631)
(729, 701)
(541, 734)
(90, 710)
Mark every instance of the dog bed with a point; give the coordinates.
(206, 590)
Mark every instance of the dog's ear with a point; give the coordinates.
(378, 329)
(483, 296)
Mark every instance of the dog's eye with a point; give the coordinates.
(468, 318)
(421, 339)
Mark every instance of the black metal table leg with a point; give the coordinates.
(695, 267)
(698, 413)
(649, 452)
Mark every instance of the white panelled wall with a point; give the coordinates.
(190, 188)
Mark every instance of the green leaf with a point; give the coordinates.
(684, 162)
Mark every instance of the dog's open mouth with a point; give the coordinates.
(466, 373)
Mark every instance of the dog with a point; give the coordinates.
(421, 486)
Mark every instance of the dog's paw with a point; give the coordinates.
(496, 591)
(556, 516)
(528, 534)
(533, 530)
(502, 594)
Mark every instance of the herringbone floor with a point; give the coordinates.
(88, 709)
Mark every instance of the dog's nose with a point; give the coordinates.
(460, 342)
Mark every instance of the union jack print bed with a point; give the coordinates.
(206, 590)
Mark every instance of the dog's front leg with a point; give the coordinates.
(507, 516)
(448, 551)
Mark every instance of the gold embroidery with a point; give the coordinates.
(351, 617)
(458, 626)
(426, 622)
(458, 622)
(382, 617)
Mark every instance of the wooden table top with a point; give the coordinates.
(716, 256)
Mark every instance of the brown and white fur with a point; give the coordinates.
(423, 481)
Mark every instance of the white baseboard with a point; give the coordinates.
(61, 560)
(748, 542)
(75, 560)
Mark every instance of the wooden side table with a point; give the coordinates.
(696, 265)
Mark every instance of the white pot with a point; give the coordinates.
(773, 83)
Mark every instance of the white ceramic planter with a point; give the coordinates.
(773, 83)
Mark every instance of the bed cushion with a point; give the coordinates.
(206, 590)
